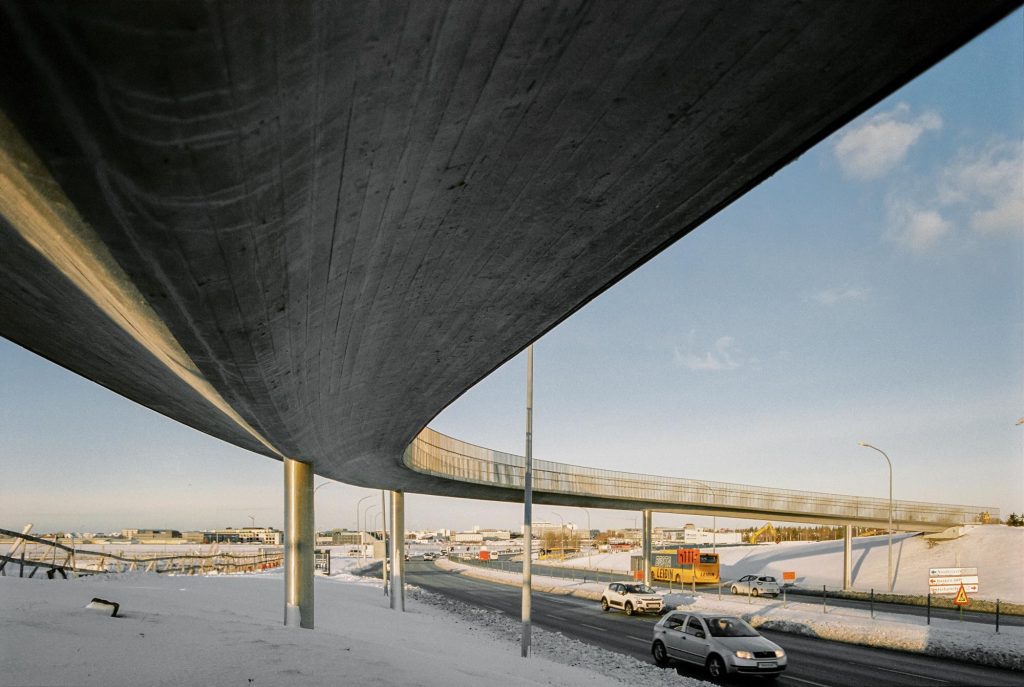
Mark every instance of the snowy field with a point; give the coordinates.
(227, 630)
(996, 550)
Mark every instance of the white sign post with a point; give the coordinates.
(948, 580)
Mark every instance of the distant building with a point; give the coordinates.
(692, 535)
(267, 536)
(157, 536)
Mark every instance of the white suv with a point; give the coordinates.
(632, 598)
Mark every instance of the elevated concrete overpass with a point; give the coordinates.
(305, 228)
(435, 454)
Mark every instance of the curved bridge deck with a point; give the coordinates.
(439, 455)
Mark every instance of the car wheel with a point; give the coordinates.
(660, 655)
(755, 592)
(735, 589)
(604, 604)
(628, 608)
(715, 667)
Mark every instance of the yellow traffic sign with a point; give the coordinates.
(961, 597)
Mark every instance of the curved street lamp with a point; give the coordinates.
(889, 462)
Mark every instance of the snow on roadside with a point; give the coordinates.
(950, 639)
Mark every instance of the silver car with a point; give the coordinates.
(756, 585)
(721, 644)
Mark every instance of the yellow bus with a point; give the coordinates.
(665, 566)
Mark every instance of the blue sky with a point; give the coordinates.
(872, 290)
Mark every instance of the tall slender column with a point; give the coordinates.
(397, 550)
(527, 592)
(298, 544)
(848, 558)
(647, 547)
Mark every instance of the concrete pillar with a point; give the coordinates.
(647, 546)
(848, 559)
(298, 544)
(397, 550)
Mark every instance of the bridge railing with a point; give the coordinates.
(436, 454)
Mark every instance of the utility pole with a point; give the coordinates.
(528, 507)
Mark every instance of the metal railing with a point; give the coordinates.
(31, 554)
(442, 456)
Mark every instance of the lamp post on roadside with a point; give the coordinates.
(889, 463)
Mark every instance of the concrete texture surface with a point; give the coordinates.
(343, 215)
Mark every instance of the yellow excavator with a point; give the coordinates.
(766, 528)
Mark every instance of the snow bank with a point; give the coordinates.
(227, 629)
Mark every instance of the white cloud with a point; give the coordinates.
(915, 228)
(989, 186)
(724, 355)
(838, 295)
(872, 149)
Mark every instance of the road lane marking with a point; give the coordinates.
(900, 672)
(806, 682)
(639, 639)
(595, 627)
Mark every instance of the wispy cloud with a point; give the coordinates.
(913, 227)
(839, 295)
(989, 185)
(877, 146)
(981, 190)
(724, 355)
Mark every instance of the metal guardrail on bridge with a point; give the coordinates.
(442, 456)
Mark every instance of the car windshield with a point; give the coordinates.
(730, 626)
(768, 579)
(638, 589)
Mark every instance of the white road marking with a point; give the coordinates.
(900, 672)
(806, 682)
(593, 627)
(639, 639)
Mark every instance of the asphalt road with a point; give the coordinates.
(811, 661)
(807, 596)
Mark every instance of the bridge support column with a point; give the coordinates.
(848, 558)
(298, 544)
(397, 551)
(647, 546)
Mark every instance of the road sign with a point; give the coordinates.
(789, 576)
(688, 556)
(952, 580)
(953, 589)
(961, 597)
(951, 572)
(965, 579)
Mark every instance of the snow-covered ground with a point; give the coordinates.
(996, 550)
(227, 630)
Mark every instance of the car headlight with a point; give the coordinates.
(745, 654)
(779, 653)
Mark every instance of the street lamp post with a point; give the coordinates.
(889, 463)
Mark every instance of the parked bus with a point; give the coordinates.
(665, 566)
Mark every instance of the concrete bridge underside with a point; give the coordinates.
(305, 228)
